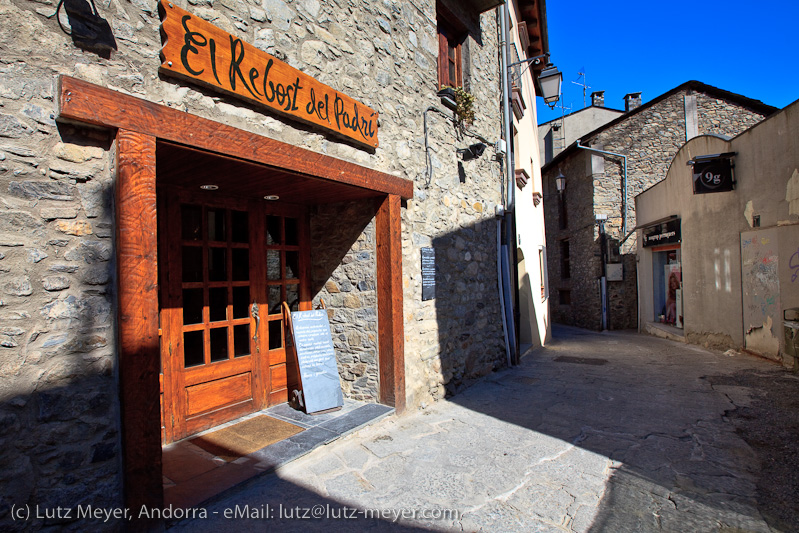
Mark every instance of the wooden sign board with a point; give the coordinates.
(196, 50)
(316, 358)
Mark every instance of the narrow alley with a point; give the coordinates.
(595, 432)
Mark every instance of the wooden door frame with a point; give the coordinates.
(138, 124)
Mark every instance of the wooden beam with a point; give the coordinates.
(139, 357)
(85, 102)
(391, 333)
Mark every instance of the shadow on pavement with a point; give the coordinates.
(683, 427)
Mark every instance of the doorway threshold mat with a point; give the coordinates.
(245, 437)
(193, 475)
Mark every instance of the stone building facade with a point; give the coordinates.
(65, 438)
(648, 136)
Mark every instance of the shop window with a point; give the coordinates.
(565, 263)
(451, 37)
(667, 286)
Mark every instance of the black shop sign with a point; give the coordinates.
(713, 175)
(664, 233)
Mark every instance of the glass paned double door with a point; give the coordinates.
(225, 268)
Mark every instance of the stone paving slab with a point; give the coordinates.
(641, 443)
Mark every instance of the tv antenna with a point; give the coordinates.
(582, 83)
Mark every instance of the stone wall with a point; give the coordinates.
(649, 138)
(59, 395)
(582, 234)
(344, 276)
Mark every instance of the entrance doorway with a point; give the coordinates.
(667, 285)
(225, 266)
(150, 136)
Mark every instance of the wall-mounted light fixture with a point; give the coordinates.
(549, 84)
(473, 151)
(548, 81)
(560, 182)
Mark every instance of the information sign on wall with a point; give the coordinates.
(199, 51)
(428, 273)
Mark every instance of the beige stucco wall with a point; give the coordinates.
(714, 283)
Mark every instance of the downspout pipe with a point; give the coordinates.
(508, 323)
(623, 181)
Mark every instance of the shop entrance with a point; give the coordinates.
(667, 285)
(226, 265)
(155, 143)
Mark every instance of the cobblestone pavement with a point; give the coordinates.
(596, 432)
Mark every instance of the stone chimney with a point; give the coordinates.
(631, 101)
(598, 98)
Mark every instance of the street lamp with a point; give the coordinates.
(560, 182)
(549, 84)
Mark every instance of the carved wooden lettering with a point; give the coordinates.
(198, 51)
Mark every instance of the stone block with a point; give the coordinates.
(55, 283)
(90, 252)
(78, 228)
(42, 190)
(13, 128)
(19, 286)
(51, 213)
(76, 153)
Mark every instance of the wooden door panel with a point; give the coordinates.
(278, 377)
(215, 418)
(278, 396)
(213, 395)
(216, 371)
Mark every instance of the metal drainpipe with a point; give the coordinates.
(623, 181)
(603, 237)
(509, 324)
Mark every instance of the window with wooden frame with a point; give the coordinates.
(451, 36)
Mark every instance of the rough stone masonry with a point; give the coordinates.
(59, 395)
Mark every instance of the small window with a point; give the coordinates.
(564, 297)
(565, 264)
(450, 39)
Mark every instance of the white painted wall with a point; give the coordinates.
(534, 324)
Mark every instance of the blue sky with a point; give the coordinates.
(750, 48)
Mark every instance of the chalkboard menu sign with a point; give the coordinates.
(428, 273)
(321, 388)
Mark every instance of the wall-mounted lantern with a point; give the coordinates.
(549, 84)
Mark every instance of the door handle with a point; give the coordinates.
(254, 313)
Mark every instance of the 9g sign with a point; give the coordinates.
(713, 176)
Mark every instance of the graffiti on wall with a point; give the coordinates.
(761, 290)
(793, 264)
